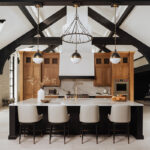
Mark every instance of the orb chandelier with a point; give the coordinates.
(76, 33)
(38, 59)
(115, 57)
(75, 57)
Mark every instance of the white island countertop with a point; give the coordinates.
(77, 102)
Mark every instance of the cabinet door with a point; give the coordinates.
(103, 76)
(37, 78)
(121, 71)
(27, 76)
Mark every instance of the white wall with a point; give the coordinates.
(4, 83)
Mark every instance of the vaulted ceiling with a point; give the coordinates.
(20, 28)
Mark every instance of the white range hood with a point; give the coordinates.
(85, 68)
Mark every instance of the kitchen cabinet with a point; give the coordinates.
(103, 69)
(32, 75)
(50, 69)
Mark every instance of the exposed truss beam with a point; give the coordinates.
(142, 48)
(58, 41)
(43, 41)
(103, 48)
(9, 49)
(30, 18)
(123, 18)
(50, 49)
(70, 2)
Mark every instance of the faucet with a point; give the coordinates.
(75, 90)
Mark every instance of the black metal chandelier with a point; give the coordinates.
(76, 33)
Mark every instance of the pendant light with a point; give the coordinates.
(76, 57)
(38, 59)
(2, 22)
(115, 57)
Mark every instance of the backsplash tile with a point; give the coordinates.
(84, 86)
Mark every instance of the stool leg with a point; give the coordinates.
(64, 132)
(33, 133)
(50, 133)
(128, 132)
(82, 132)
(68, 129)
(114, 132)
(96, 134)
(20, 134)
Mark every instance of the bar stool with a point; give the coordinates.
(28, 116)
(58, 114)
(89, 114)
(120, 114)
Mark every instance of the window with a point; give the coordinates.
(28, 59)
(54, 61)
(98, 61)
(46, 61)
(125, 60)
(106, 60)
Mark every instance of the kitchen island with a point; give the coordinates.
(73, 105)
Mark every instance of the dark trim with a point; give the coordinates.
(76, 77)
(142, 69)
(142, 48)
(10, 48)
(138, 58)
(70, 2)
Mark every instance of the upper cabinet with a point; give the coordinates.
(50, 69)
(32, 75)
(103, 69)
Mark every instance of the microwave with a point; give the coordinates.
(121, 87)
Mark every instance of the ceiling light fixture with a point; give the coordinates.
(75, 57)
(76, 33)
(115, 57)
(2, 22)
(38, 59)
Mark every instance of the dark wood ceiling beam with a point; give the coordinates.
(103, 48)
(58, 41)
(43, 41)
(50, 49)
(123, 18)
(142, 48)
(30, 18)
(70, 2)
(10, 48)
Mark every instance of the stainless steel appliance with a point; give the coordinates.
(121, 86)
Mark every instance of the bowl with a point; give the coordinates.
(45, 100)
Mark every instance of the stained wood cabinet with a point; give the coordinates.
(106, 73)
(32, 75)
(102, 69)
(50, 69)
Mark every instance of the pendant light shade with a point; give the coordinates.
(2, 22)
(76, 57)
(115, 57)
(38, 59)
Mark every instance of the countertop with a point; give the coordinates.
(78, 102)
